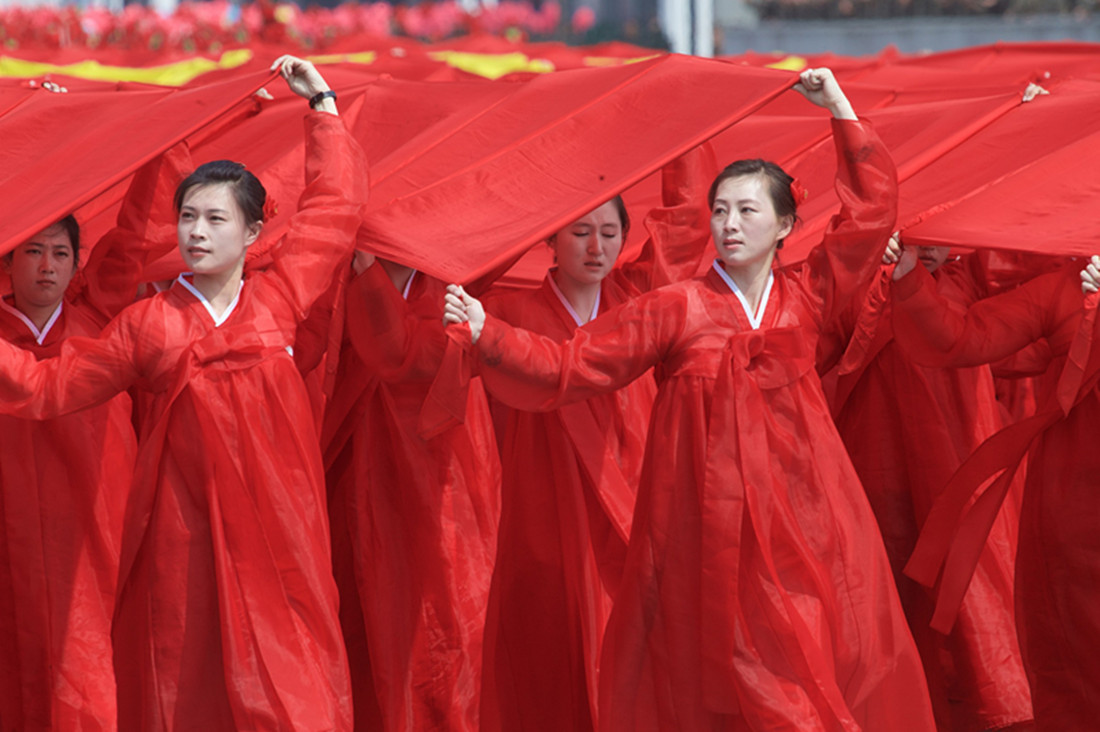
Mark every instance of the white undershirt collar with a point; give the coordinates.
(408, 285)
(182, 279)
(569, 308)
(754, 319)
(39, 335)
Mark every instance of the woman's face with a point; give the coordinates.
(213, 235)
(587, 249)
(932, 257)
(743, 222)
(41, 268)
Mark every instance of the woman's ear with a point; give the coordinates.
(787, 227)
(254, 230)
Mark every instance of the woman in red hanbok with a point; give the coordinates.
(907, 428)
(756, 593)
(1058, 556)
(571, 475)
(226, 614)
(63, 487)
(414, 515)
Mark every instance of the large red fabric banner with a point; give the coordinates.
(492, 184)
(62, 150)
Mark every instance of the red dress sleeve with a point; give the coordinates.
(322, 233)
(144, 231)
(1032, 360)
(387, 335)
(849, 255)
(936, 334)
(532, 372)
(679, 231)
(87, 372)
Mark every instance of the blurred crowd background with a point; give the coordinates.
(702, 27)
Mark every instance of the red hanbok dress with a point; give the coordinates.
(756, 592)
(227, 611)
(1058, 556)
(64, 483)
(569, 481)
(414, 518)
(63, 488)
(907, 429)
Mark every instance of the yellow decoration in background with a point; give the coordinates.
(366, 57)
(285, 13)
(175, 74)
(492, 65)
(601, 61)
(790, 63)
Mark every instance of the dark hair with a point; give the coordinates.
(779, 185)
(247, 189)
(72, 228)
(624, 217)
(620, 208)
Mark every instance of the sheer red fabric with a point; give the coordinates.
(414, 519)
(128, 129)
(907, 428)
(1056, 567)
(64, 484)
(756, 591)
(226, 615)
(63, 488)
(570, 479)
(551, 150)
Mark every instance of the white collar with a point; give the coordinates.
(568, 306)
(182, 279)
(408, 285)
(754, 318)
(39, 335)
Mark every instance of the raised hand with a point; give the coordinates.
(305, 80)
(1090, 276)
(821, 88)
(460, 307)
(893, 249)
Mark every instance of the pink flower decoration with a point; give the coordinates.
(583, 19)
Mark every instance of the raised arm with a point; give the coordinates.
(145, 229)
(866, 185)
(936, 334)
(679, 231)
(851, 250)
(86, 373)
(322, 232)
(532, 372)
(388, 335)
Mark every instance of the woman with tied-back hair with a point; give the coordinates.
(227, 611)
(570, 475)
(63, 485)
(756, 592)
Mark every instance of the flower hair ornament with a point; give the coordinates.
(271, 207)
(798, 192)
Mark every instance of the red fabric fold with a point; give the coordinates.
(552, 150)
(96, 139)
(958, 524)
(736, 505)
